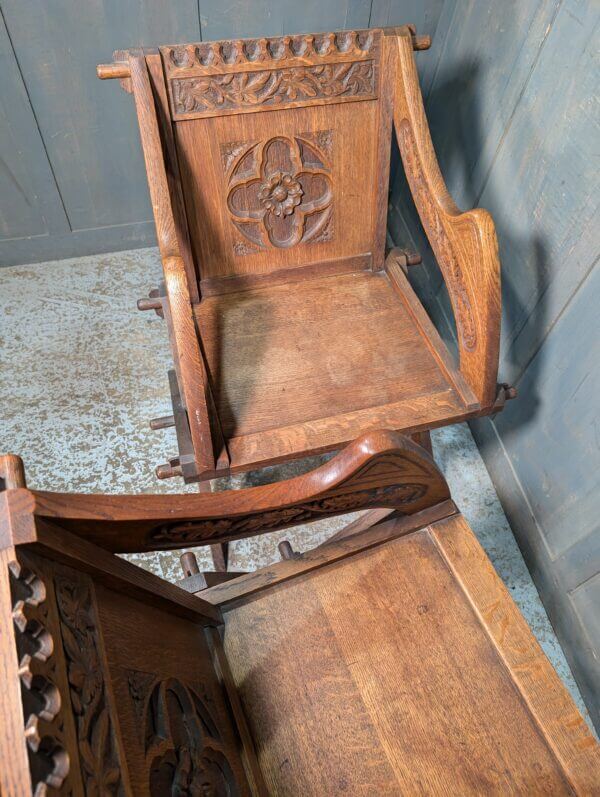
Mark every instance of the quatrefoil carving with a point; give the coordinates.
(280, 191)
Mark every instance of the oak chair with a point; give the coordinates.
(292, 331)
(390, 660)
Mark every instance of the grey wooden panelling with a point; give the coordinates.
(512, 104)
(88, 127)
(30, 204)
(265, 18)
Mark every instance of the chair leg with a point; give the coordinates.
(423, 439)
(220, 555)
(220, 551)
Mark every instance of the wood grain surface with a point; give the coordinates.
(396, 672)
(378, 469)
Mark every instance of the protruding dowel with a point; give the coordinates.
(169, 469)
(112, 71)
(510, 392)
(421, 42)
(189, 564)
(162, 423)
(286, 551)
(149, 304)
(12, 472)
(413, 259)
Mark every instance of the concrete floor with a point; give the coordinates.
(83, 372)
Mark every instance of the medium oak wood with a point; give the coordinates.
(381, 469)
(391, 660)
(291, 333)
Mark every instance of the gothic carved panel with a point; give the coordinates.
(41, 699)
(182, 744)
(272, 88)
(95, 733)
(280, 191)
(224, 77)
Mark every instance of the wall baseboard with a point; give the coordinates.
(40, 248)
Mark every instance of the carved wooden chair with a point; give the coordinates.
(391, 660)
(291, 331)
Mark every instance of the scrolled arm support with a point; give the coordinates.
(464, 244)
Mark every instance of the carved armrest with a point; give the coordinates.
(464, 244)
(177, 304)
(379, 469)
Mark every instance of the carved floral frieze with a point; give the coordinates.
(272, 87)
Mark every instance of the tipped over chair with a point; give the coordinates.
(390, 660)
(291, 330)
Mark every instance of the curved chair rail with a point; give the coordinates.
(379, 469)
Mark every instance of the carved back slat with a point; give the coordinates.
(282, 144)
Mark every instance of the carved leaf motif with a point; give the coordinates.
(97, 744)
(272, 87)
(391, 495)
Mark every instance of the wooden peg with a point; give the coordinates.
(189, 564)
(169, 469)
(510, 392)
(117, 70)
(149, 304)
(286, 551)
(12, 472)
(164, 422)
(413, 258)
(421, 42)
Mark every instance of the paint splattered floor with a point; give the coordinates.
(83, 372)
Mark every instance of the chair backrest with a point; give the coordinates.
(283, 149)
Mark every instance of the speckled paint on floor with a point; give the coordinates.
(82, 372)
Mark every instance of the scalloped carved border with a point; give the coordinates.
(307, 48)
(245, 75)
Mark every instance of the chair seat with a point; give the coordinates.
(308, 366)
(405, 669)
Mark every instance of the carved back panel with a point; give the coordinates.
(119, 694)
(283, 148)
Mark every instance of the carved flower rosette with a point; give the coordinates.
(280, 192)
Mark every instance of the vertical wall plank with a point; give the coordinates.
(512, 106)
(89, 128)
(30, 204)
(244, 19)
(543, 184)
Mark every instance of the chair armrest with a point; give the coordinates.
(464, 244)
(189, 363)
(379, 469)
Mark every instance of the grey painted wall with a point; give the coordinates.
(510, 89)
(512, 101)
